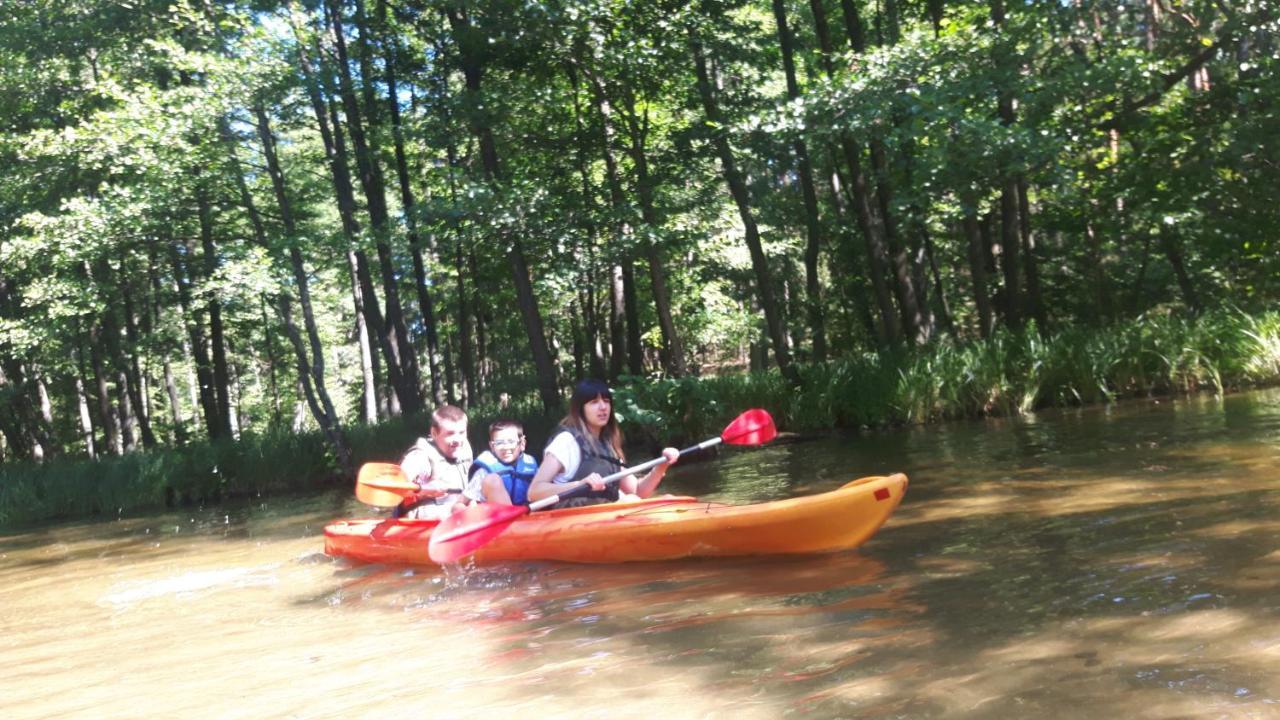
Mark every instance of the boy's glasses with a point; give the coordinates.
(505, 443)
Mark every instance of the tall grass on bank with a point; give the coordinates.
(208, 472)
(1007, 374)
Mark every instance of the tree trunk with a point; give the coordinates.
(617, 324)
(401, 371)
(368, 359)
(136, 395)
(635, 348)
(426, 305)
(672, 346)
(311, 369)
(587, 336)
(1010, 225)
(335, 155)
(888, 331)
(175, 403)
(813, 244)
(217, 341)
(482, 319)
(548, 385)
(1173, 253)
(904, 288)
(978, 271)
(464, 327)
(194, 321)
(86, 420)
(738, 189)
(127, 442)
(944, 306)
(1030, 263)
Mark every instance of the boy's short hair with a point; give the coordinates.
(447, 413)
(500, 425)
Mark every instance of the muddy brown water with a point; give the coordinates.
(1097, 563)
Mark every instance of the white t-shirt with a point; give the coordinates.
(565, 449)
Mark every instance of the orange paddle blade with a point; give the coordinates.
(383, 484)
(462, 533)
(753, 427)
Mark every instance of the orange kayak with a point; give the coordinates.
(655, 529)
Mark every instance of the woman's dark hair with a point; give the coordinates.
(584, 392)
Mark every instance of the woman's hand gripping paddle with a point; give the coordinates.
(384, 485)
(462, 533)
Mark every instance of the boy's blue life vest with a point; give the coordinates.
(515, 478)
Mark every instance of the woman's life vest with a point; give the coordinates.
(515, 478)
(597, 457)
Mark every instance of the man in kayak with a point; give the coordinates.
(588, 447)
(502, 473)
(438, 466)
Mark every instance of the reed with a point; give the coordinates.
(1006, 374)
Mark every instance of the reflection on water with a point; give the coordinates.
(1105, 562)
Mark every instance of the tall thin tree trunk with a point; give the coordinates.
(1010, 225)
(1173, 253)
(127, 441)
(813, 243)
(672, 346)
(978, 270)
(331, 135)
(217, 342)
(194, 320)
(1030, 262)
(368, 359)
(426, 305)
(175, 402)
(311, 369)
(86, 420)
(635, 348)
(776, 326)
(548, 385)
(464, 326)
(872, 229)
(617, 324)
(369, 171)
(944, 306)
(137, 395)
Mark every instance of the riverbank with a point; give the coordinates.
(1007, 374)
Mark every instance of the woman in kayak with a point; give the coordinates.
(587, 447)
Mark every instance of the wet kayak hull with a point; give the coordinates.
(655, 529)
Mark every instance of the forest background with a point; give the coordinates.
(245, 246)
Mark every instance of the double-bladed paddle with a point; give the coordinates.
(384, 484)
(462, 533)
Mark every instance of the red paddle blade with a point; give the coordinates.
(462, 533)
(753, 427)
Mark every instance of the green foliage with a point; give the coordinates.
(141, 482)
(1009, 374)
(138, 202)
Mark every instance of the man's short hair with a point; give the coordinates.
(447, 413)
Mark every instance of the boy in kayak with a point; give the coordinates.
(438, 466)
(502, 473)
(589, 447)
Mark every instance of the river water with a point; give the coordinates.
(1096, 563)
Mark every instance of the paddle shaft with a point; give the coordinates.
(584, 488)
